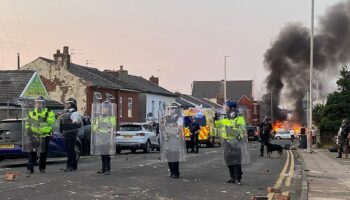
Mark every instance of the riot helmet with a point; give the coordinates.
(40, 103)
(106, 108)
(71, 103)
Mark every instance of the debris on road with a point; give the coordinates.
(11, 176)
(272, 189)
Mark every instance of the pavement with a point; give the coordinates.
(328, 177)
(144, 176)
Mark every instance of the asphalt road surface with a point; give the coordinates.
(144, 176)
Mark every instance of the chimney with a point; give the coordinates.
(62, 59)
(122, 74)
(154, 80)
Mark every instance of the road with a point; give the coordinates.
(143, 176)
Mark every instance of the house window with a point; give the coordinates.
(120, 106)
(255, 109)
(159, 106)
(129, 107)
(109, 97)
(97, 96)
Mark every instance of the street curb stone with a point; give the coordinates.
(305, 187)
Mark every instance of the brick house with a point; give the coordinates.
(214, 90)
(64, 79)
(152, 97)
(251, 109)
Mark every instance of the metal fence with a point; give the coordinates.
(328, 138)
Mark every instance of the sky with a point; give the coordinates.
(179, 41)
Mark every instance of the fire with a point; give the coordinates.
(277, 125)
(286, 125)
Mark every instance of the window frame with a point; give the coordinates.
(130, 107)
(120, 106)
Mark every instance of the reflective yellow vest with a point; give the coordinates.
(109, 120)
(40, 123)
(232, 128)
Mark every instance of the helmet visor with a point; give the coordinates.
(39, 104)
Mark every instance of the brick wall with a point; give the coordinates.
(60, 83)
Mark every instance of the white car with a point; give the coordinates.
(283, 135)
(133, 136)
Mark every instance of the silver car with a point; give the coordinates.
(134, 136)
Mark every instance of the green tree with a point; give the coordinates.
(318, 113)
(338, 104)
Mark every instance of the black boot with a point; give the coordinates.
(231, 181)
(108, 165)
(103, 169)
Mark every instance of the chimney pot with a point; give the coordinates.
(154, 80)
(121, 67)
(65, 50)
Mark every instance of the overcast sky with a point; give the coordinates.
(178, 40)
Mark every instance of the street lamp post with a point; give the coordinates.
(271, 106)
(225, 81)
(311, 63)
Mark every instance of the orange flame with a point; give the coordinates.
(286, 125)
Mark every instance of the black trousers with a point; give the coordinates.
(71, 140)
(263, 143)
(235, 171)
(174, 168)
(344, 147)
(194, 142)
(33, 156)
(106, 162)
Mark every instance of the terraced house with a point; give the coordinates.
(135, 96)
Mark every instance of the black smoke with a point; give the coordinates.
(288, 59)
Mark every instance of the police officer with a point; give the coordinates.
(70, 124)
(194, 129)
(233, 136)
(172, 143)
(39, 124)
(104, 127)
(265, 133)
(343, 135)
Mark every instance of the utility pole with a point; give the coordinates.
(271, 106)
(311, 63)
(18, 61)
(225, 80)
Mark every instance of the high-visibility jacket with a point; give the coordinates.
(40, 122)
(232, 128)
(112, 121)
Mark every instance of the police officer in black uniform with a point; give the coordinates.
(265, 133)
(194, 129)
(70, 124)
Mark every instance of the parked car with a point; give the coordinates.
(11, 141)
(134, 136)
(252, 133)
(282, 135)
(85, 136)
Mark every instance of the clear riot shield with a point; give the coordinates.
(234, 143)
(103, 128)
(31, 140)
(172, 139)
